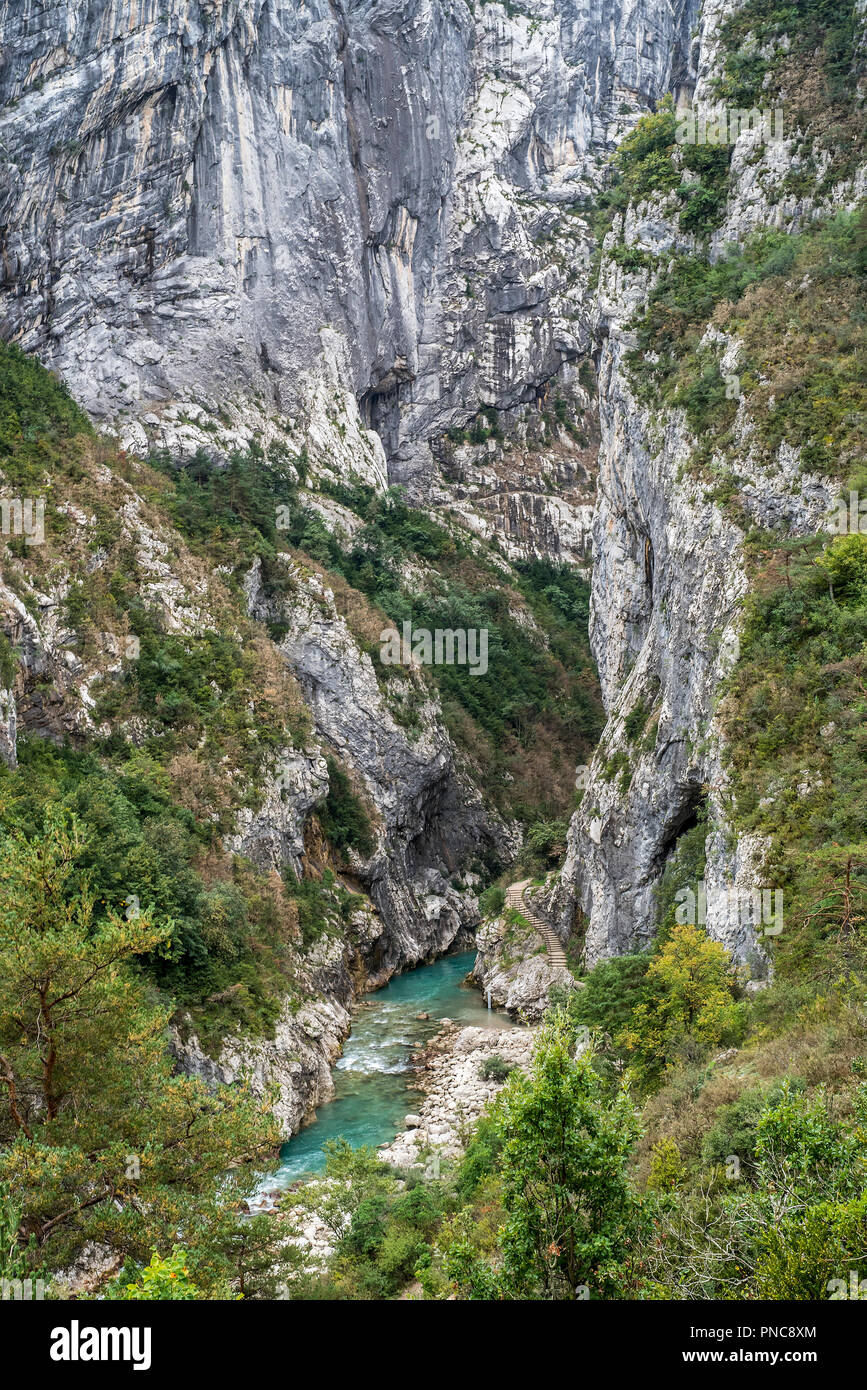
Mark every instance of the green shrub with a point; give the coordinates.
(367, 1229)
(800, 673)
(323, 904)
(546, 841)
(572, 1217)
(667, 1168)
(808, 1256)
(492, 901)
(684, 868)
(9, 659)
(803, 387)
(229, 954)
(343, 816)
(845, 563)
(687, 997)
(644, 155)
(735, 1130)
(41, 427)
(482, 1153)
(163, 1279)
(233, 509)
(495, 1068)
(611, 991)
(633, 724)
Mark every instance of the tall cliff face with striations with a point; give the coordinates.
(244, 220)
(673, 511)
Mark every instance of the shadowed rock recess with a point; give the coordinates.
(323, 317)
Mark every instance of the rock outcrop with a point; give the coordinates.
(297, 1061)
(513, 971)
(520, 958)
(668, 580)
(430, 821)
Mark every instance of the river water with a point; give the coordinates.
(373, 1078)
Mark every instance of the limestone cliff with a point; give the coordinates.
(669, 575)
(231, 220)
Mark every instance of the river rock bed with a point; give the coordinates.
(448, 1076)
(455, 1094)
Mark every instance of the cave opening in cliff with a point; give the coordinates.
(692, 810)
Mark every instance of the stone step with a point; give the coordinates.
(515, 898)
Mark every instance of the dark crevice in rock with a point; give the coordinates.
(682, 820)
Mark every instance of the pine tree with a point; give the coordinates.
(98, 1140)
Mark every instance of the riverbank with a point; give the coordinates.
(374, 1082)
(459, 1074)
(448, 1074)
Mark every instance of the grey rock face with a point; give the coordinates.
(667, 581)
(429, 820)
(512, 969)
(273, 835)
(202, 187)
(665, 588)
(534, 498)
(209, 207)
(297, 1060)
(8, 728)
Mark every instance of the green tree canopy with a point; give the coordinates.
(572, 1216)
(98, 1140)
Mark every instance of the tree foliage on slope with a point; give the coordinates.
(98, 1140)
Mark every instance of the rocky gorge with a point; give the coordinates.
(356, 314)
(451, 268)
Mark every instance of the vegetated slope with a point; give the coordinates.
(160, 732)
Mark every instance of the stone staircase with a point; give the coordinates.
(515, 898)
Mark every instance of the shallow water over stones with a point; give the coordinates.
(373, 1078)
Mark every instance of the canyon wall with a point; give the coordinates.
(362, 230)
(236, 220)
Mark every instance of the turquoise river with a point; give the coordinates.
(373, 1080)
